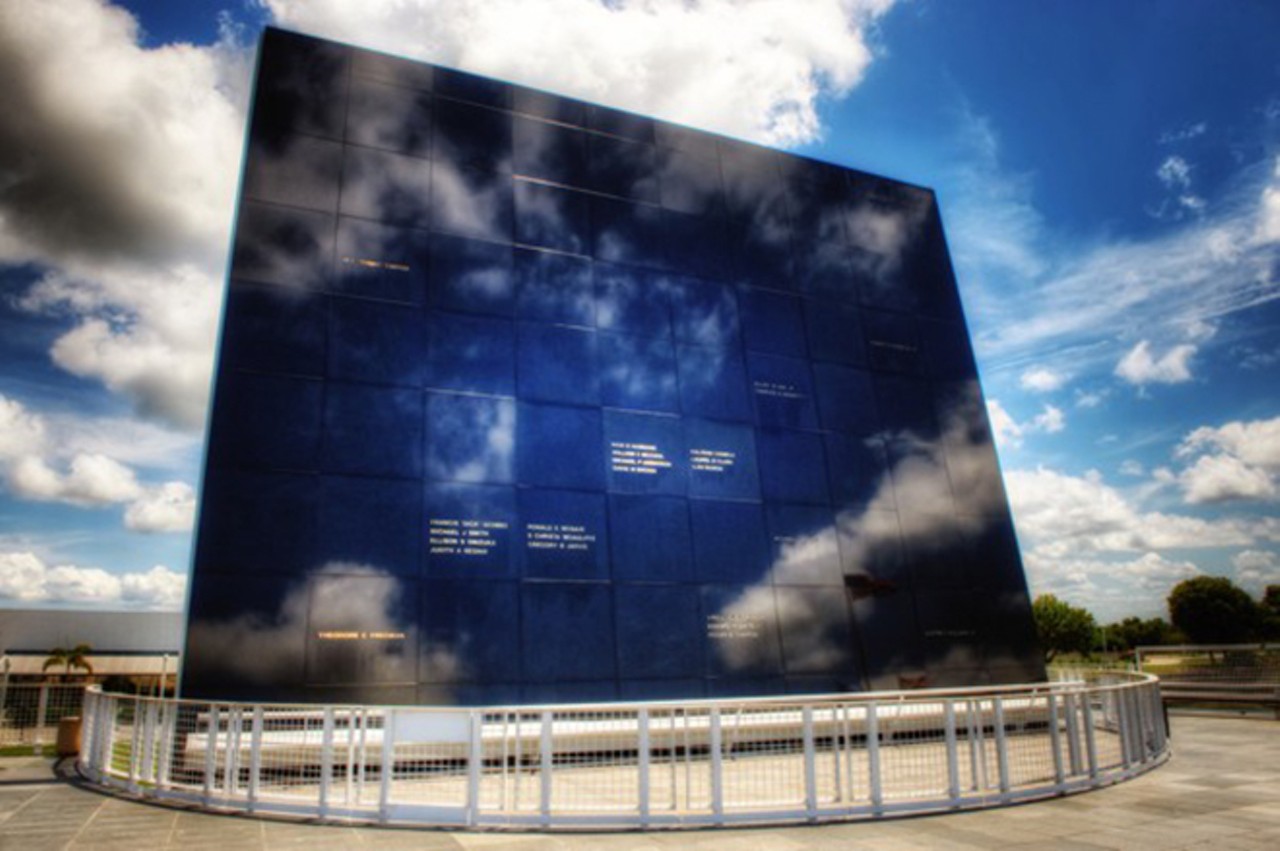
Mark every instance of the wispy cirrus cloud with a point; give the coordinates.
(1036, 296)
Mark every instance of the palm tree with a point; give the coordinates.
(75, 657)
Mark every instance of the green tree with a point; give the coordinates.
(1134, 632)
(1213, 609)
(68, 658)
(1061, 627)
(1271, 613)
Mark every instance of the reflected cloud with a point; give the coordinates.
(871, 542)
(472, 438)
(339, 604)
(471, 203)
(883, 229)
(276, 245)
(386, 187)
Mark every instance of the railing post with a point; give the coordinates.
(1070, 702)
(1134, 707)
(364, 754)
(953, 758)
(168, 723)
(88, 717)
(107, 736)
(642, 763)
(978, 746)
(388, 764)
(210, 752)
(1142, 713)
(255, 757)
(148, 772)
(475, 763)
(873, 759)
(42, 709)
(231, 762)
(326, 760)
(349, 786)
(546, 745)
(717, 766)
(1055, 740)
(1002, 747)
(135, 745)
(810, 765)
(1157, 716)
(1091, 744)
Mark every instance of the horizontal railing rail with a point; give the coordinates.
(665, 764)
(1209, 675)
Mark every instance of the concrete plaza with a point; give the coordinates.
(1221, 790)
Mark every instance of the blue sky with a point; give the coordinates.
(1109, 176)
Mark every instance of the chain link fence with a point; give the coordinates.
(632, 765)
(1216, 675)
(30, 712)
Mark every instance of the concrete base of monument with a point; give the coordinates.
(633, 765)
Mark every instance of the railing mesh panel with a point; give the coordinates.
(703, 762)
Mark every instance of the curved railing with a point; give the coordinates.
(667, 764)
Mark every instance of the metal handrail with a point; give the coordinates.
(656, 764)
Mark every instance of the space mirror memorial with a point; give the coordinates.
(521, 399)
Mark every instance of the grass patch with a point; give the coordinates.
(22, 750)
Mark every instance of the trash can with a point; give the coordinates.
(69, 736)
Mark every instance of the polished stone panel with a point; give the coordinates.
(521, 398)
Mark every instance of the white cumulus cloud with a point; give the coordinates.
(1220, 478)
(1042, 380)
(1050, 420)
(751, 68)
(1236, 461)
(1099, 547)
(1139, 366)
(90, 480)
(59, 460)
(1256, 569)
(1009, 433)
(119, 166)
(1255, 442)
(1062, 515)
(26, 578)
(1004, 427)
(1111, 588)
(171, 507)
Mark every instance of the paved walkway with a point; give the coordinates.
(1220, 791)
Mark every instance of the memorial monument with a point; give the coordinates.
(521, 399)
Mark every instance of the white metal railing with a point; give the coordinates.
(633, 765)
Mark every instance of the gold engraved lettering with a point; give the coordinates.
(359, 635)
(470, 537)
(712, 460)
(778, 389)
(370, 263)
(733, 627)
(558, 536)
(643, 459)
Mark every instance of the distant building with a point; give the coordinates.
(135, 645)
